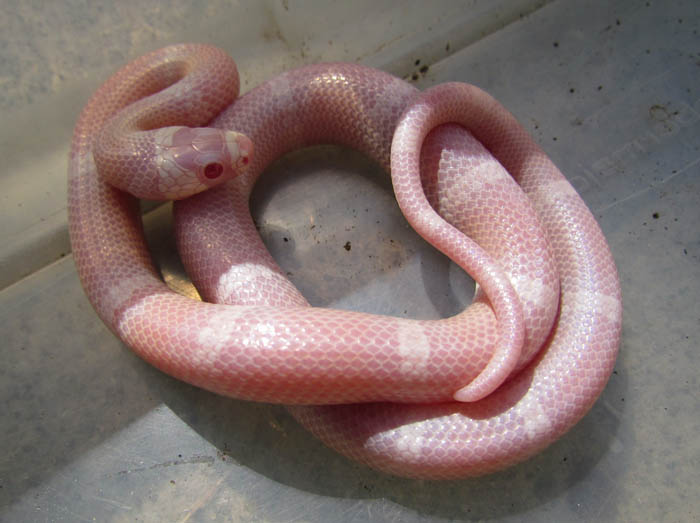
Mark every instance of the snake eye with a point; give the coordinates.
(213, 170)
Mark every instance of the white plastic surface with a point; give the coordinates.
(610, 90)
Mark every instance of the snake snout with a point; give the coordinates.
(214, 155)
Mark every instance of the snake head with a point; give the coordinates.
(190, 160)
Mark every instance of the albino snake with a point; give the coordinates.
(525, 361)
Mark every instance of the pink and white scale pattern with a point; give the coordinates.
(543, 330)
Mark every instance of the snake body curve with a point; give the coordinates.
(526, 360)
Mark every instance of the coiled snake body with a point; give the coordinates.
(449, 398)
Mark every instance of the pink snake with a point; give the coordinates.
(524, 362)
